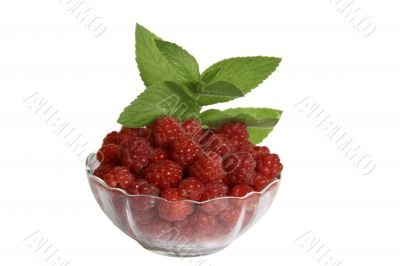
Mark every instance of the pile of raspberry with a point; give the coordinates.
(183, 161)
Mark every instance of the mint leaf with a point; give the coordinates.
(218, 92)
(257, 134)
(259, 121)
(245, 72)
(160, 99)
(209, 75)
(153, 66)
(181, 61)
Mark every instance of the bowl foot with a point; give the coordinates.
(182, 254)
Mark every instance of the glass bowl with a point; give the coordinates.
(207, 227)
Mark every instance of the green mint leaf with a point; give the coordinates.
(257, 134)
(210, 74)
(218, 92)
(160, 99)
(259, 121)
(153, 66)
(245, 72)
(181, 61)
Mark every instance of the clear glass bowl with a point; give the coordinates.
(211, 226)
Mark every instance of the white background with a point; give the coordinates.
(88, 80)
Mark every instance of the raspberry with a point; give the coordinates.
(212, 191)
(241, 190)
(184, 229)
(269, 165)
(261, 149)
(103, 169)
(215, 206)
(236, 130)
(261, 181)
(208, 168)
(171, 210)
(240, 167)
(144, 216)
(135, 154)
(158, 155)
(192, 188)
(166, 130)
(221, 144)
(126, 134)
(246, 146)
(204, 135)
(144, 132)
(191, 127)
(159, 227)
(109, 154)
(142, 187)
(185, 151)
(119, 177)
(203, 223)
(164, 174)
(229, 217)
(111, 138)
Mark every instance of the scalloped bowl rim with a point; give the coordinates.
(101, 182)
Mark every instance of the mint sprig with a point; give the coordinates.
(176, 87)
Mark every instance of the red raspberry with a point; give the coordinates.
(204, 135)
(213, 191)
(246, 146)
(192, 188)
(103, 169)
(261, 149)
(229, 217)
(145, 132)
(144, 216)
(208, 168)
(191, 127)
(269, 165)
(240, 167)
(241, 190)
(158, 227)
(158, 155)
(172, 210)
(109, 154)
(142, 187)
(221, 144)
(185, 151)
(261, 181)
(126, 134)
(135, 154)
(119, 177)
(166, 130)
(164, 174)
(184, 230)
(255, 151)
(203, 223)
(236, 130)
(215, 206)
(111, 138)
